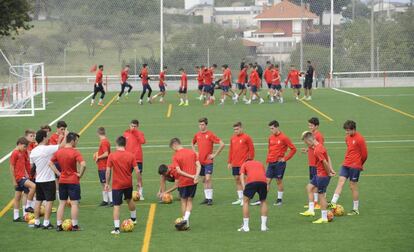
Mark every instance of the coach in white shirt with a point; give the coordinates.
(45, 176)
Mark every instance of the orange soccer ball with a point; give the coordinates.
(127, 225)
(330, 216)
(67, 225)
(135, 196)
(28, 217)
(167, 198)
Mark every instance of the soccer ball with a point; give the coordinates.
(167, 198)
(339, 210)
(135, 196)
(31, 222)
(42, 211)
(330, 216)
(28, 217)
(67, 225)
(178, 220)
(127, 225)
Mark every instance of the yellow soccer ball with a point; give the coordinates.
(28, 217)
(178, 220)
(127, 225)
(167, 198)
(135, 196)
(339, 210)
(67, 225)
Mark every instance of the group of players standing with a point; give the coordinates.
(250, 77)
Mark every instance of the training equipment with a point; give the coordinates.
(339, 210)
(167, 198)
(42, 211)
(330, 216)
(127, 225)
(135, 196)
(28, 217)
(67, 225)
(178, 220)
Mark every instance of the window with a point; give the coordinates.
(296, 26)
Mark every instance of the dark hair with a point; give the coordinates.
(46, 127)
(197, 67)
(121, 141)
(202, 66)
(250, 64)
(100, 66)
(40, 135)
(101, 131)
(181, 70)
(127, 66)
(350, 125)
(225, 66)
(314, 121)
(309, 61)
(22, 140)
(174, 140)
(307, 134)
(237, 124)
(61, 124)
(215, 65)
(72, 136)
(165, 67)
(29, 131)
(144, 65)
(268, 62)
(204, 120)
(162, 169)
(135, 121)
(274, 123)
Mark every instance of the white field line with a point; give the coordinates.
(346, 92)
(54, 121)
(388, 95)
(264, 144)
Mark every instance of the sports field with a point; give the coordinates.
(386, 223)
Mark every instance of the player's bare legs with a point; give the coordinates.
(280, 190)
(239, 189)
(60, 212)
(245, 226)
(16, 206)
(263, 213)
(74, 212)
(338, 190)
(355, 196)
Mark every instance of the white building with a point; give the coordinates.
(188, 4)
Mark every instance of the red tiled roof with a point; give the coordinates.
(270, 30)
(250, 43)
(286, 10)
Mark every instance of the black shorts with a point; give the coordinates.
(46, 191)
(71, 191)
(187, 191)
(182, 90)
(117, 195)
(98, 88)
(256, 187)
(308, 84)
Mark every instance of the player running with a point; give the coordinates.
(253, 180)
(241, 84)
(278, 144)
(307, 85)
(98, 87)
(225, 83)
(276, 88)
(134, 141)
(200, 80)
(187, 167)
(161, 85)
(205, 140)
(255, 83)
(145, 84)
(241, 149)
(293, 78)
(101, 158)
(124, 83)
(121, 164)
(182, 91)
(319, 182)
(355, 157)
(69, 188)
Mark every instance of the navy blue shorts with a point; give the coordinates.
(206, 169)
(276, 170)
(200, 87)
(72, 191)
(269, 85)
(253, 89)
(256, 187)
(146, 87)
(277, 87)
(182, 90)
(321, 183)
(312, 172)
(207, 88)
(351, 173)
(102, 176)
(117, 195)
(235, 171)
(241, 86)
(187, 191)
(20, 186)
(162, 88)
(298, 86)
(225, 88)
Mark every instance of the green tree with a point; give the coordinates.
(14, 16)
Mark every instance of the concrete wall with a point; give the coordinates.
(374, 82)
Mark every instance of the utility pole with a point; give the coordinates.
(301, 35)
(372, 39)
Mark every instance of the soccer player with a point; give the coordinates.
(69, 188)
(241, 84)
(101, 158)
(145, 84)
(30, 136)
(161, 85)
(253, 180)
(45, 176)
(19, 160)
(307, 85)
(167, 173)
(276, 88)
(205, 140)
(268, 76)
(208, 76)
(313, 125)
(255, 83)
(319, 182)
(355, 157)
(98, 87)
(59, 135)
(241, 149)
(121, 162)
(293, 78)
(124, 83)
(182, 91)
(278, 144)
(200, 80)
(225, 83)
(134, 141)
(188, 168)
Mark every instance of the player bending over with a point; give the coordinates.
(120, 163)
(167, 173)
(101, 158)
(182, 91)
(98, 87)
(161, 85)
(124, 83)
(320, 182)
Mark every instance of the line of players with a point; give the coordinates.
(189, 166)
(207, 84)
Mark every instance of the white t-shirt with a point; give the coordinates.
(40, 156)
